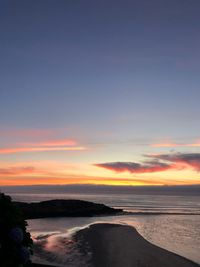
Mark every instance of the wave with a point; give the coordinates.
(157, 210)
(60, 249)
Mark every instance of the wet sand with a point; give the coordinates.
(114, 245)
(41, 265)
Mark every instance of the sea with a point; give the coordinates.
(167, 218)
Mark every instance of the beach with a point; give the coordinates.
(40, 265)
(167, 222)
(114, 245)
(53, 236)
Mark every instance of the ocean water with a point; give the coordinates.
(169, 221)
(54, 243)
(185, 204)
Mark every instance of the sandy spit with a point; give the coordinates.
(114, 245)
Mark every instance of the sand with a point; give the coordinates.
(115, 245)
(41, 265)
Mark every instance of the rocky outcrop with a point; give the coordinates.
(64, 208)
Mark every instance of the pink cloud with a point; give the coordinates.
(24, 133)
(36, 140)
(181, 160)
(52, 143)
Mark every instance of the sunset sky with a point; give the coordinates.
(100, 92)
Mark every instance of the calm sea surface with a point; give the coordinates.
(130, 202)
(177, 233)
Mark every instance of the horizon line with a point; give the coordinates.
(106, 185)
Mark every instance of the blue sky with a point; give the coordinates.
(101, 72)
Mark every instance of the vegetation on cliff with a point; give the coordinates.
(15, 241)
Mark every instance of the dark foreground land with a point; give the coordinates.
(64, 208)
(112, 245)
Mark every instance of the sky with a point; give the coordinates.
(99, 92)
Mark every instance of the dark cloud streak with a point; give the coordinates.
(158, 163)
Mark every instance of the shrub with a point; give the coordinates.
(15, 241)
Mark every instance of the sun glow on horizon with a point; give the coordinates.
(85, 174)
(61, 163)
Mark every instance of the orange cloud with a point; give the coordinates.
(176, 145)
(17, 170)
(39, 149)
(53, 179)
(74, 179)
(47, 172)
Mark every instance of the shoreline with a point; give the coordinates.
(115, 245)
(118, 245)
